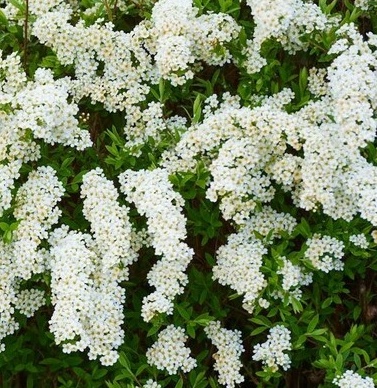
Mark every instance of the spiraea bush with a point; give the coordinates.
(188, 193)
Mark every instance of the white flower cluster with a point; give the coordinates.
(9, 285)
(42, 107)
(154, 197)
(286, 21)
(229, 350)
(109, 221)
(317, 84)
(35, 7)
(29, 301)
(333, 172)
(271, 352)
(37, 109)
(170, 352)
(325, 253)
(151, 384)
(116, 68)
(126, 65)
(88, 301)
(269, 220)
(363, 4)
(36, 211)
(238, 264)
(359, 240)
(352, 379)
(240, 259)
(293, 278)
(246, 149)
(178, 38)
(240, 146)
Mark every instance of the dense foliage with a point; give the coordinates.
(188, 193)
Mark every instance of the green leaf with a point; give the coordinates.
(313, 323)
(183, 313)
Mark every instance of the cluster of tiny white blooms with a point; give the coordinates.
(8, 173)
(239, 145)
(284, 20)
(271, 352)
(109, 221)
(36, 209)
(333, 172)
(39, 106)
(170, 352)
(293, 278)
(264, 303)
(178, 39)
(35, 7)
(126, 65)
(151, 384)
(359, 240)
(286, 170)
(352, 379)
(154, 197)
(8, 289)
(142, 124)
(317, 84)
(363, 4)
(269, 220)
(13, 77)
(238, 264)
(229, 350)
(43, 108)
(13, 149)
(29, 301)
(237, 172)
(325, 253)
(88, 301)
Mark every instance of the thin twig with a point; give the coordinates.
(108, 10)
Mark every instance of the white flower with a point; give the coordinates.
(325, 253)
(227, 358)
(109, 221)
(359, 240)
(271, 352)
(351, 379)
(154, 197)
(170, 352)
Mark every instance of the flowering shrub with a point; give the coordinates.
(188, 193)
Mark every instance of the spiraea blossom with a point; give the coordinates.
(239, 261)
(239, 145)
(359, 240)
(227, 358)
(36, 212)
(179, 38)
(333, 172)
(238, 266)
(294, 277)
(325, 253)
(285, 21)
(154, 197)
(353, 379)
(109, 221)
(88, 301)
(271, 352)
(37, 109)
(170, 351)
